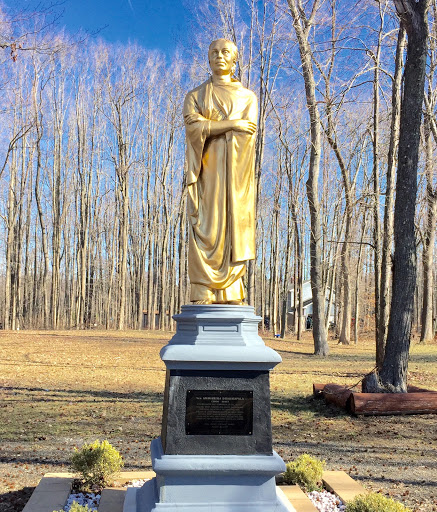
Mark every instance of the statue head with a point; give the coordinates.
(222, 56)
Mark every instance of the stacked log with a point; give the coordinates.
(415, 401)
(337, 395)
(380, 404)
(318, 390)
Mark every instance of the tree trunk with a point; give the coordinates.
(357, 277)
(302, 30)
(182, 246)
(298, 287)
(10, 246)
(376, 196)
(39, 132)
(393, 375)
(387, 242)
(123, 245)
(286, 279)
(150, 262)
(263, 280)
(427, 328)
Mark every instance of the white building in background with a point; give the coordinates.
(308, 305)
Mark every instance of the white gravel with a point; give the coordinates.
(137, 483)
(325, 501)
(88, 498)
(91, 499)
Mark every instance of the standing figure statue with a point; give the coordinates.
(220, 122)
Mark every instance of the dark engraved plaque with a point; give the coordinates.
(223, 412)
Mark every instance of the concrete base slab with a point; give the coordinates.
(213, 483)
(146, 499)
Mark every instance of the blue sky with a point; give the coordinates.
(157, 24)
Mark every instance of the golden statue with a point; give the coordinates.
(220, 122)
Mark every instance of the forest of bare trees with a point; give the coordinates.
(93, 223)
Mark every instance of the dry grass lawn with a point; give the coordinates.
(60, 389)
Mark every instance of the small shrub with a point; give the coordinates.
(97, 463)
(305, 471)
(75, 507)
(375, 502)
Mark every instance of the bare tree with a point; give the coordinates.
(124, 113)
(16, 161)
(430, 131)
(93, 205)
(302, 25)
(393, 375)
(387, 232)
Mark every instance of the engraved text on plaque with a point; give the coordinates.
(222, 412)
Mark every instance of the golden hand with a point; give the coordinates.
(242, 125)
(219, 127)
(238, 125)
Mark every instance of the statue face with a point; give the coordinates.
(221, 57)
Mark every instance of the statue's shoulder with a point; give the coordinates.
(251, 94)
(199, 89)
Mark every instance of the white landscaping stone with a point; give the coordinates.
(91, 499)
(325, 501)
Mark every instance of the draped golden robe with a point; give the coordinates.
(221, 196)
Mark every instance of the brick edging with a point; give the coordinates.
(54, 488)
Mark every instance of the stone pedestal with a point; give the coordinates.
(215, 450)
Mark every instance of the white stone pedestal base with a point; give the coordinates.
(213, 483)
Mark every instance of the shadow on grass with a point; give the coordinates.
(15, 501)
(83, 365)
(395, 481)
(344, 356)
(308, 404)
(60, 394)
(423, 358)
(160, 337)
(25, 459)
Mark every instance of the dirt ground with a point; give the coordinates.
(61, 389)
